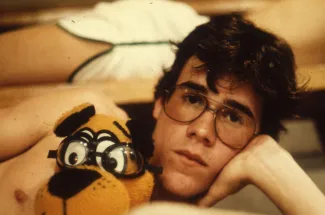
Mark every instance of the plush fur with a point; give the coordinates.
(88, 189)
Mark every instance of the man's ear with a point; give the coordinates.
(158, 107)
(73, 119)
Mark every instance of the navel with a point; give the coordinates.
(20, 196)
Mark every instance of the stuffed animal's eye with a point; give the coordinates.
(73, 154)
(112, 160)
(122, 160)
(101, 147)
(116, 160)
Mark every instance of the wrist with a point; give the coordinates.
(260, 167)
(264, 157)
(274, 171)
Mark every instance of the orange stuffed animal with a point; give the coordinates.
(99, 170)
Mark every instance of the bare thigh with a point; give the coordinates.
(43, 54)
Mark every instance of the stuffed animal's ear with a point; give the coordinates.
(73, 119)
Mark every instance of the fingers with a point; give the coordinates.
(121, 114)
(116, 111)
(215, 194)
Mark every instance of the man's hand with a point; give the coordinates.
(273, 170)
(239, 171)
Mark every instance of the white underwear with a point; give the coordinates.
(139, 31)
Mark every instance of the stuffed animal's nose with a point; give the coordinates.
(69, 182)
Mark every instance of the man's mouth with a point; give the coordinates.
(192, 157)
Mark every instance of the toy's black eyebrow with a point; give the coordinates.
(104, 133)
(122, 129)
(86, 134)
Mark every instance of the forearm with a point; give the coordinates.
(22, 125)
(287, 185)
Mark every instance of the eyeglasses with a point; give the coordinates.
(104, 150)
(233, 127)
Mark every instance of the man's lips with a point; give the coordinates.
(192, 157)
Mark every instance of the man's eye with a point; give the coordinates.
(193, 99)
(232, 116)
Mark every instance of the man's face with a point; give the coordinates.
(191, 154)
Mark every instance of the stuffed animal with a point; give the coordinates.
(99, 171)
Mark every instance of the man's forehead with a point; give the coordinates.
(195, 62)
(227, 85)
(197, 71)
(193, 70)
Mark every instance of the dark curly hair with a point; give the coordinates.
(230, 44)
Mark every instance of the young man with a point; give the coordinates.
(217, 111)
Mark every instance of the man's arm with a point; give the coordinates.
(163, 208)
(287, 185)
(266, 165)
(24, 124)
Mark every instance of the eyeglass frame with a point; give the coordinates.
(90, 160)
(207, 107)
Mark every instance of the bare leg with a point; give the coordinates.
(43, 53)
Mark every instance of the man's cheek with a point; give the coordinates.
(161, 154)
(158, 153)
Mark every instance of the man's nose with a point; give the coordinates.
(203, 128)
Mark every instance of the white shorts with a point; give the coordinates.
(139, 31)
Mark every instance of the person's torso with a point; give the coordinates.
(23, 175)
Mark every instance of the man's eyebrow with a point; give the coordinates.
(195, 86)
(243, 108)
